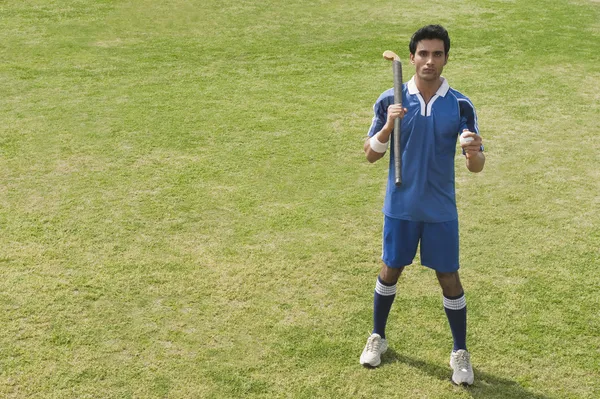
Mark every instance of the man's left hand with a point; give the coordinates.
(472, 148)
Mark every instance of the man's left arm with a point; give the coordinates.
(471, 141)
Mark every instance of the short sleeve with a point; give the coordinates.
(379, 119)
(468, 117)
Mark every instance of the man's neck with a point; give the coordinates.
(428, 88)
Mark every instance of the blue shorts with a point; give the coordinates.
(439, 244)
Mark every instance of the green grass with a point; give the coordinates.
(186, 211)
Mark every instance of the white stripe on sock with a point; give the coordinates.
(455, 304)
(385, 290)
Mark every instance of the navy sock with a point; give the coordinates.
(382, 303)
(456, 311)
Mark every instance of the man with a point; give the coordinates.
(423, 208)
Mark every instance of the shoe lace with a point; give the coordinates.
(463, 360)
(373, 344)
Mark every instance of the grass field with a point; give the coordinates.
(186, 211)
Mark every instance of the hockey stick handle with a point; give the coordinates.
(397, 137)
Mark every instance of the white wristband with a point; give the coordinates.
(377, 145)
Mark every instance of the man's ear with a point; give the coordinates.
(412, 58)
(447, 55)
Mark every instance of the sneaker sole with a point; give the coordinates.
(369, 365)
(463, 384)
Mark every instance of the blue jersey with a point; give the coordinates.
(429, 134)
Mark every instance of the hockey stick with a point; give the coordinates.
(397, 69)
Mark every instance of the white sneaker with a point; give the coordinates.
(371, 355)
(460, 361)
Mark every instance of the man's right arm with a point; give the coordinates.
(383, 138)
(376, 146)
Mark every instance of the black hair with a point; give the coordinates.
(430, 32)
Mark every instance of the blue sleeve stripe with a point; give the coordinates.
(470, 104)
(472, 109)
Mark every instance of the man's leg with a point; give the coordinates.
(455, 306)
(400, 241)
(456, 310)
(439, 251)
(385, 293)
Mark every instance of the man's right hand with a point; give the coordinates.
(394, 111)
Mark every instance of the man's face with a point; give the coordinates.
(429, 59)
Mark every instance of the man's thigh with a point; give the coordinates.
(440, 246)
(400, 241)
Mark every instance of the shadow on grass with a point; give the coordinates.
(486, 385)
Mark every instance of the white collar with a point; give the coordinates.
(442, 91)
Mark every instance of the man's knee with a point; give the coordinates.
(450, 283)
(390, 275)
